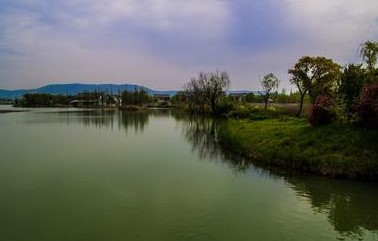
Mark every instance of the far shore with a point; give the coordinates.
(9, 111)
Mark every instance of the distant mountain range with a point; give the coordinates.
(73, 89)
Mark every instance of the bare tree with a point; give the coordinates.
(206, 90)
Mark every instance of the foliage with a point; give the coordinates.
(241, 112)
(269, 84)
(206, 91)
(42, 100)
(282, 97)
(351, 83)
(225, 106)
(367, 107)
(246, 111)
(137, 97)
(369, 53)
(321, 112)
(314, 76)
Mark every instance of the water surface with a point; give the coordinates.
(68, 174)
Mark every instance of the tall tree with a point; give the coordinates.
(369, 53)
(269, 84)
(351, 83)
(314, 76)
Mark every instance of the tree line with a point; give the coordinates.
(348, 93)
(85, 99)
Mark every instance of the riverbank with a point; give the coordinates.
(334, 150)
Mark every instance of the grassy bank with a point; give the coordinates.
(333, 150)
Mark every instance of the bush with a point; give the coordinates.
(367, 107)
(321, 112)
(242, 112)
(224, 106)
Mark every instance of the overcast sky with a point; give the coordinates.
(161, 44)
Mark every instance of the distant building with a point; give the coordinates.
(162, 99)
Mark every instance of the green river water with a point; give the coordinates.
(69, 174)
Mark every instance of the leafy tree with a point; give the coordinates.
(369, 53)
(269, 84)
(136, 97)
(351, 82)
(43, 100)
(315, 76)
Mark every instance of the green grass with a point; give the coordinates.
(334, 150)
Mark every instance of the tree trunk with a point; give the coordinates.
(301, 105)
(266, 103)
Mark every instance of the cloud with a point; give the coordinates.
(180, 17)
(102, 40)
(334, 27)
(162, 43)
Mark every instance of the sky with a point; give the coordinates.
(161, 44)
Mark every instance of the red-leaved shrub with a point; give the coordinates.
(367, 107)
(321, 111)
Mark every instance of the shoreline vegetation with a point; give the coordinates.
(328, 127)
(333, 132)
(336, 150)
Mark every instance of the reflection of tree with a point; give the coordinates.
(137, 120)
(107, 118)
(350, 206)
(160, 112)
(201, 133)
(97, 118)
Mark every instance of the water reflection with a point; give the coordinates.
(97, 118)
(350, 206)
(136, 121)
(201, 134)
(122, 120)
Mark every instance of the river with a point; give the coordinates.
(71, 174)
